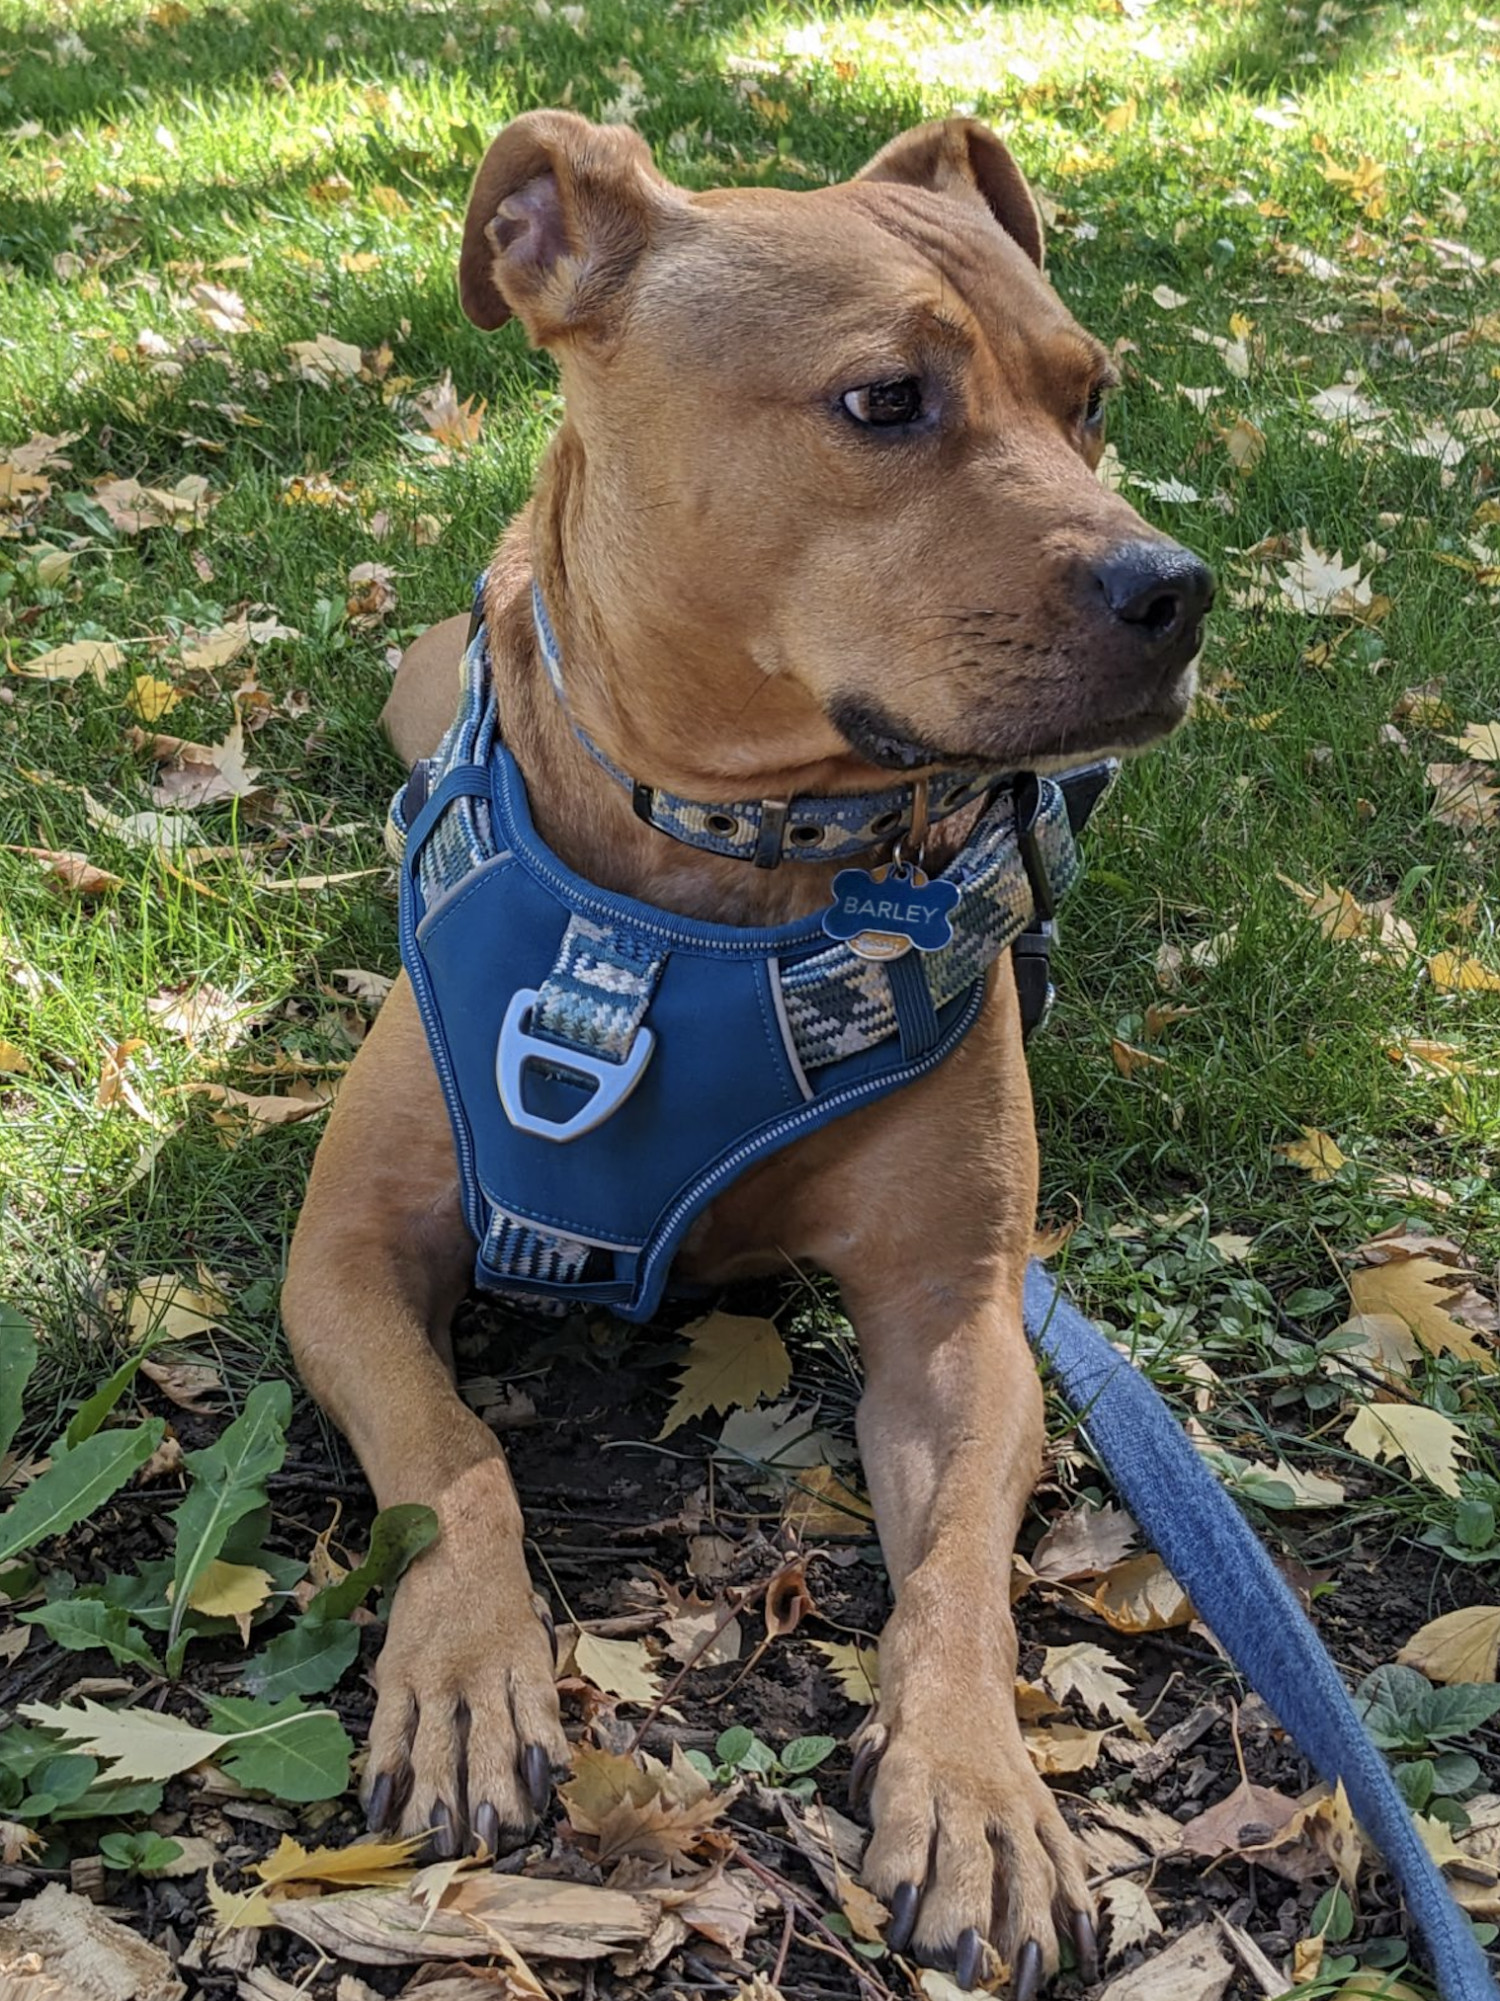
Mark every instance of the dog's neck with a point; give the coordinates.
(581, 812)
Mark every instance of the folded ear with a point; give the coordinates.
(559, 213)
(961, 156)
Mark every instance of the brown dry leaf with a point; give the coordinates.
(1050, 1234)
(1422, 1055)
(268, 885)
(1128, 1059)
(856, 1669)
(1063, 1747)
(1423, 706)
(822, 1503)
(18, 1844)
(1132, 1916)
(1250, 1815)
(99, 657)
(1319, 1839)
(1430, 1443)
(1460, 1646)
(720, 1905)
(14, 1062)
(1192, 1968)
(369, 987)
(1085, 1543)
(733, 1361)
(173, 1309)
(71, 870)
(1481, 740)
(133, 508)
(787, 1601)
(452, 423)
(205, 652)
(1096, 1678)
(191, 779)
(187, 1384)
(302, 1100)
(80, 1951)
(1315, 1152)
(1385, 1343)
(664, 1816)
(372, 595)
(364, 1863)
(1462, 973)
(1467, 797)
(1339, 915)
(1142, 1596)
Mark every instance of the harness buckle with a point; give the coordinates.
(772, 833)
(643, 801)
(519, 1049)
(1031, 962)
(1028, 846)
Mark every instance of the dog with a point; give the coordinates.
(821, 514)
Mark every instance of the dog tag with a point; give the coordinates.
(884, 913)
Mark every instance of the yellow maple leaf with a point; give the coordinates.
(13, 1062)
(621, 1668)
(1315, 1152)
(1481, 740)
(364, 1862)
(1141, 1595)
(1413, 1289)
(1460, 1646)
(1429, 1442)
(1063, 1747)
(66, 663)
(151, 698)
(1462, 973)
(856, 1669)
(733, 1361)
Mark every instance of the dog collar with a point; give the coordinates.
(769, 831)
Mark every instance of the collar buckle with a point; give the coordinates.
(643, 801)
(771, 836)
(1028, 812)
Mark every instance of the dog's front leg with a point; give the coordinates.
(466, 1727)
(968, 1843)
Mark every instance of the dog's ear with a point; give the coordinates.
(559, 213)
(961, 156)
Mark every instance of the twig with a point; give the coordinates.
(785, 1947)
(735, 1603)
(869, 1981)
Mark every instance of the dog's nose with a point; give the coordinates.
(1160, 588)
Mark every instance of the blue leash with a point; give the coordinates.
(1215, 1556)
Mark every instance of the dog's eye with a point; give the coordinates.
(1093, 410)
(885, 403)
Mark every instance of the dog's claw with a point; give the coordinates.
(968, 1959)
(487, 1830)
(1027, 1977)
(378, 1807)
(443, 1840)
(862, 1771)
(536, 1772)
(1086, 1945)
(903, 1916)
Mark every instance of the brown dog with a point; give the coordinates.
(822, 504)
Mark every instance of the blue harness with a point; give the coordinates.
(610, 1067)
(581, 1040)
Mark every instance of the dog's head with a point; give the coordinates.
(838, 448)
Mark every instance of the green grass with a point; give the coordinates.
(315, 159)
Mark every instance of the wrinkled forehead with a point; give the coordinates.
(848, 274)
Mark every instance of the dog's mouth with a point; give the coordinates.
(1010, 743)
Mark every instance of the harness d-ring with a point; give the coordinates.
(519, 1049)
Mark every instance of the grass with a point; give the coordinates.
(315, 158)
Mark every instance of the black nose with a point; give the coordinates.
(1158, 587)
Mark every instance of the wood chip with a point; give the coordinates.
(89, 1956)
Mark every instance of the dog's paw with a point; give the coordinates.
(466, 1736)
(968, 1845)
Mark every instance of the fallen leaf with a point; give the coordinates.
(1321, 586)
(98, 657)
(1429, 1442)
(302, 1101)
(205, 652)
(1128, 1059)
(205, 774)
(1459, 1646)
(142, 830)
(150, 698)
(1063, 1747)
(1481, 740)
(1192, 1968)
(1315, 1152)
(1141, 1596)
(1132, 1916)
(372, 596)
(621, 1668)
(1320, 1838)
(452, 423)
(821, 1503)
(171, 1309)
(200, 1014)
(325, 361)
(1085, 1542)
(733, 1361)
(14, 1062)
(133, 509)
(370, 987)
(720, 1905)
(855, 1668)
(670, 1816)
(1249, 1816)
(1466, 796)
(1095, 1677)
(74, 871)
(1418, 1291)
(480, 1912)
(693, 1623)
(230, 1590)
(1461, 973)
(188, 1384)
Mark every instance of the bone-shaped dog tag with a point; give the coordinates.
(886, 912)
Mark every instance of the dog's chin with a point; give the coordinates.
(1008, 743)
